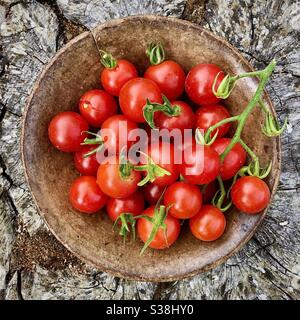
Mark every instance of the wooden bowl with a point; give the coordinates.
(75, 69)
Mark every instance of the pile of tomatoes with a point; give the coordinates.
(154, 196)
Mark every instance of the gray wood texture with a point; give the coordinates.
(33, 265)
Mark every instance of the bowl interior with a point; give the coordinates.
(76, 69)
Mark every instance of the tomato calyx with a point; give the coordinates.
(93, 141)
(153, 170)
(252, 169)
(158, 221)
(226, 86)
(156, 53)
(271, 127)
(220, 196)
(107, 60)
(204, 139)
(167, 108)
(128, 223)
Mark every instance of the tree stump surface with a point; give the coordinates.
(33, 264)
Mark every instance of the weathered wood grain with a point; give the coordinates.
(33, 265)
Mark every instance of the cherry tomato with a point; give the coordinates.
(112, 183)
(200, 164)
(199, 82)
(209, 191)
(185, 120)
(96, 106)
(133, 204)
(209, 224)
(119, 133)
(208, 116)
(86, 196)
(66, 131)
(185, 198)
(160, 241)
(169, 76)
(250, 194)
(234, 160)
(133, 96)
(162, 153)
(152, 193)
(113, 79)
(86, 165)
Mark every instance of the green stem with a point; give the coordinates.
(167, 108)
(219, 197)
(153, 170)
(158, 221)
(217, 125)
(263, 107)
(249, 151)
(223, 192)
(249, 74)
(264, 76)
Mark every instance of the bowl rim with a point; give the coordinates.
(149, 19)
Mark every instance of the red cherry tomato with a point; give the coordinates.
(111, 181)
(96, 106)
(209, 191)
(185, 198)
(133, 96)
(208, 116)
(250, 194)
(169, 76)
(185, 120)
(200, 164)
(209, 224)
(152, 193)
(234, 160)
(162, 153)
(160, 241)
(113, 79)
(66, 131)
(86, 165)
(86, 196)
(119, 133)
(199, 82)
(133, 204)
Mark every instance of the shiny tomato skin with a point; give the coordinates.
(87, 166)
(133, 204)
(208, 224)
(169, 76)
(144, 228)
(111, 182)
(202, 168)
(185, 120)
(120, 133)
(66, 131)
(208, 116)
(113, 79)
(250, 194)
(152, 193)
(133, 96)
(234, 160)
(96, 106)
(162, 153)
(199, 82)
(86, 196)
(185, 200)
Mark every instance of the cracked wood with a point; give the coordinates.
(268, 267)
